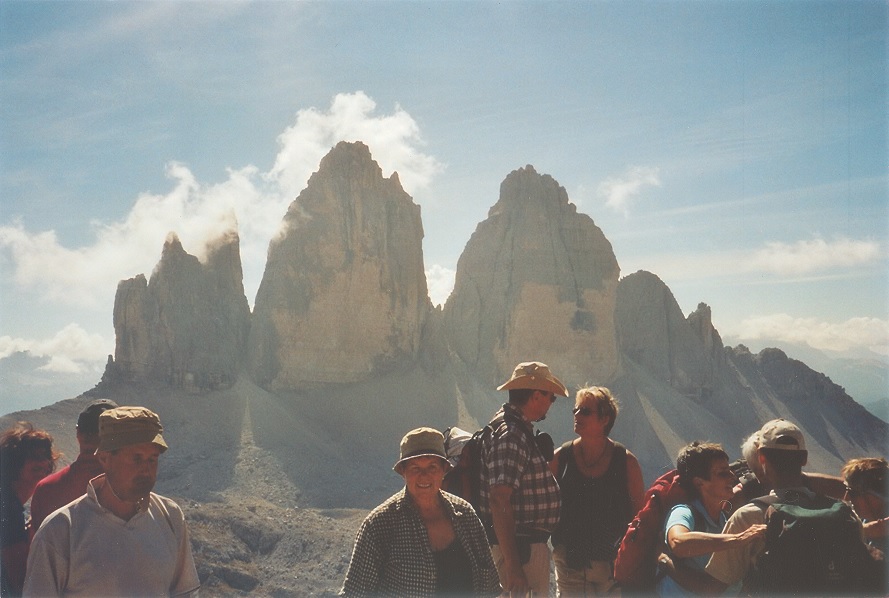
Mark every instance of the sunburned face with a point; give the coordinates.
(132, 470)
(586, 419)
(722, 481)
(423, 475)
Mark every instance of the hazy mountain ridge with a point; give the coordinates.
(298, 407)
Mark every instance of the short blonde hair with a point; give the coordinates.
(606, 404)
(867, 474)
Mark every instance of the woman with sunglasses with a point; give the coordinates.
(602, 489)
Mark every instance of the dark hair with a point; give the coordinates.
(695, 460)
(785, 463)
(606, 404)
(20, 443)
(520, 396)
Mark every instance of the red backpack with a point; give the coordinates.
(635, 566)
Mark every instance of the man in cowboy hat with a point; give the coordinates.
(519, 498)
(120, 538)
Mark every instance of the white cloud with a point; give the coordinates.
(807, 256)
(801, 261)
(72, 350)
(619, 191)
(392, 140)
(440, 281)
(197, 212)
(855, 333)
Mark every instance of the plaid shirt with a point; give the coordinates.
(511, 458)
(392, 555)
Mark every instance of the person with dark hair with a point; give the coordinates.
(693, 531)
(60, 488)
(519, 497)
(602, 488)
(26, 457)
(421, 541)
(867, 488)
(120, 538)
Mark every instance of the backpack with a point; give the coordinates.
(464, 451)
(814, 547)
(635, 566)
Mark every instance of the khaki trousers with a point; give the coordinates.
(536, 569)
(594, 580)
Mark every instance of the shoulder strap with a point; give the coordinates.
(566, 454)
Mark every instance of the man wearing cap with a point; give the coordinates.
(519, 497)
(781, 456)
(120, 538)
(60, 488)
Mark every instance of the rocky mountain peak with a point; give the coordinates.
(357, 301)
(187, 325)
(536, 281)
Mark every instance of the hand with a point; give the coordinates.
(516, 583)
(666, 563)
(754, 532)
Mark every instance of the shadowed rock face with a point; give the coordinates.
(344, 291)
(687, 354)
(188, 325)
(536, 281)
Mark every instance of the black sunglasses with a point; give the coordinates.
(584, 411)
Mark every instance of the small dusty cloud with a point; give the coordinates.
(620, 191)
(854, 333)
(72, 350)
(813, 255)
(440, 281)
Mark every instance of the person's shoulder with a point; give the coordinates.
(53, 479)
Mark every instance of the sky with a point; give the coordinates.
(738, 150)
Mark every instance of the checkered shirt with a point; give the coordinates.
(511, 458)
(392, 555)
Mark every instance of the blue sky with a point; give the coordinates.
(736, 149)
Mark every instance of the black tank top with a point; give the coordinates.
(595, 511)
(453, 571)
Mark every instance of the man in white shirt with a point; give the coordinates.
(120, 538)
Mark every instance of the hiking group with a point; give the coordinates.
(479, 512)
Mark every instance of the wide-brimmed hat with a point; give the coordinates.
(422, 442)
(782, 435)
(88, 420)
(125, 426)
(534, 375)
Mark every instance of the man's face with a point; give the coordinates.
(544, 400)
(132, 470)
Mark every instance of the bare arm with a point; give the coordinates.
(686, 543)
(504, 528)
(828, 485)
(635, 485)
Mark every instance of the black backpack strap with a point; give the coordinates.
(566, 454)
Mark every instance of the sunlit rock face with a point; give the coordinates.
(187, 326)
(536, 281)
(685, 353)
(344, 290)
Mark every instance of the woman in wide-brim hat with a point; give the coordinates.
(422, 541)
